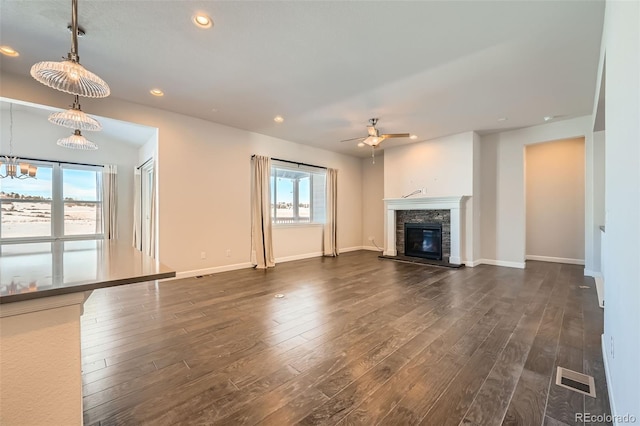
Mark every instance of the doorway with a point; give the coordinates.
(555, 201)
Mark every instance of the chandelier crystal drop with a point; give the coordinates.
(69, 76)
(75, 118)
(77, 141)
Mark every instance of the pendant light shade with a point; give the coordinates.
(77, 141)
(75, 118)
(69, 76)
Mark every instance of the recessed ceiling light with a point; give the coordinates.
(8, 51)
(414, 137)
(156, 92)
(278, 119)
(502, 119)
(549, 117)
(202, 20)
(361, 144)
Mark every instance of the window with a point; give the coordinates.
(64, 202)
(297, 193)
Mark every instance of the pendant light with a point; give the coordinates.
(69, 76)
(75, 118)
(77, 141)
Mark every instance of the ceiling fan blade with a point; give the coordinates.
(353, 139)
(395, 135)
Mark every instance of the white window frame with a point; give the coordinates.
(317, 176)
(57, 205)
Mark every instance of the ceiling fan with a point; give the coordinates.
(374, 138)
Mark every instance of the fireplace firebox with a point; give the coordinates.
(423, 240)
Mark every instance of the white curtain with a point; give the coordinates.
(137, 210)
(110, 201)
(261, 243)
(153, 220)
(330, 240)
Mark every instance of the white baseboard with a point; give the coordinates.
(555, 259)
(472, 263)
(608, 377)
(371, 248)
(600, 290)
(348, 249)
(298, 257)
(590, 273)
(209, 271)
(519, 265)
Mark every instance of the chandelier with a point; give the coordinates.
(69, 76)
(15, 169)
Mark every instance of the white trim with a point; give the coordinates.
(209, 271)
(590, 273)
(298, 257)
(371, 248)
(612, 401)
(43, 304)
(600, 290)
(348, 249)
(555, 259)
(472, 263)
(519, 265)
(246, 265)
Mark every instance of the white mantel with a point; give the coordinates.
(453, 204)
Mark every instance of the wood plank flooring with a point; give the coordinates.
(356, 340)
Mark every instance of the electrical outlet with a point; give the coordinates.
(423, 190)
(370, 237)
(203, 255)
(228, 252)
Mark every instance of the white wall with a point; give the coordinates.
(503, 189)
(372, 203)
(35, 137)
(621, 41)
(204, 182)
(598, 197)
(445, 167)
(554, 177)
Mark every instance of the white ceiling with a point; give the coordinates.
(428, 68)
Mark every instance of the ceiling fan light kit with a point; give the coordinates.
(71, 77)
(374, 138)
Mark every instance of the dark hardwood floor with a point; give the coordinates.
(355, 340)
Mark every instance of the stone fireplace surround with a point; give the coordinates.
(453, 204)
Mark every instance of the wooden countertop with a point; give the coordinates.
(34, 270)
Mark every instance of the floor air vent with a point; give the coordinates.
(575, 381)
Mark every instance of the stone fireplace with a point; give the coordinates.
(440, 217)
(447, 211)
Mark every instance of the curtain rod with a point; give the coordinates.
(295, 162)
(145, 163)
(57, 161)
